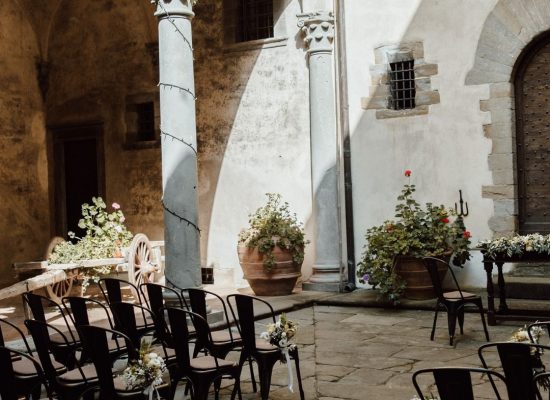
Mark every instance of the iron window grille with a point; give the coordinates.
(402, 86)
(255, 20)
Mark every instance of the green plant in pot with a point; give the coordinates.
(271, 249)
(415, 232)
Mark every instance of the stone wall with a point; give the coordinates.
(253, 130)
(101, 61)
(24, 216)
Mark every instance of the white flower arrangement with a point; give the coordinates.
(281, 332)
(522, 335)
(517, 245)
(145, 372)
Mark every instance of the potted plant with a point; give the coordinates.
(271, 250)
(394, 249)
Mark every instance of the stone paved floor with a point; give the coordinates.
(371, 353)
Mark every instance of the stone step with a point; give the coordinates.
(537, 269)
(525, 287)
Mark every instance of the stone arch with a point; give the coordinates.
(508, 30)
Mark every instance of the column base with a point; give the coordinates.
(322, 286)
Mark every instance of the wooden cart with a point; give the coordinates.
(143, 261)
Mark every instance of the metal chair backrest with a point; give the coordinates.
(36, 303)
(178, 318)
(153, 294)
(9, 386)
(40, 332)
(246, 317)
(111, 288)
(455, 383)
(431, 264)
(78, 307)
(197, 301)
(95, 342)
(15, 328)
(518, 361)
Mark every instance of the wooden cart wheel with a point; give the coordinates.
(141, 266)
(60, 289)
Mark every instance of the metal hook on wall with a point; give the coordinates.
(463, 204)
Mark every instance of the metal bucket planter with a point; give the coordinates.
(279, 281)
(416, 276)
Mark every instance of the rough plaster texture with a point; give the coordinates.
(253, 133)
(91, 82)
(23, 175)
(446, 149)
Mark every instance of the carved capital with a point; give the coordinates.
(173, 8)
(318, 29)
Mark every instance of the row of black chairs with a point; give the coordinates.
(522, 371)
(78, 360)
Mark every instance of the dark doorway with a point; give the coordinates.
(532, 91)
(78, 173)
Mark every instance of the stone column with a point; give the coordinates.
(179, 143)
(318, 28)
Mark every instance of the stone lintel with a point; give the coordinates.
(385, 114)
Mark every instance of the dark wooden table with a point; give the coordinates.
(504, 312)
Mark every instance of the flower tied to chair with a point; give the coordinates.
(146, 372)
(522, 335)
(279, 334)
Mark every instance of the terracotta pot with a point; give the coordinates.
(416, 276)
(279, 281)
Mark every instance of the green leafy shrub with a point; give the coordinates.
(273, 225)
(416, 231)
(105, 235)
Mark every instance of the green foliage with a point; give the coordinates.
(273, 225)
(417, 232)
(105, 236)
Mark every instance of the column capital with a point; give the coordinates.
(173, 8)
(318, 28)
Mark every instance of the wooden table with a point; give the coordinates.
(504, 312)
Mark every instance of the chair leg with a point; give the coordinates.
(250, 362)
(435, 321)
(480, 306)
(460, 315)
(265, 368)
(451, 321)
(200, 389)
(296, 357)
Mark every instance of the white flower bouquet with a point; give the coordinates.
(146, 371)
(281, 332)
(522, 336)
(516, 245)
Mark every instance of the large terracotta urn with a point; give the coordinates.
(416, 276)
(278, 281)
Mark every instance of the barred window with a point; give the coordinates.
(254, 20)
(402, 87)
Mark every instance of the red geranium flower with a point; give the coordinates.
(408, 172)
(467, 234)
(445, 220)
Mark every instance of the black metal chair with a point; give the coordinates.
(111, 288)
(77, 308)
(13, 383)
(63, 345)
(519, 362)
(538, 382)
(455, 383)
(265, 354)
(200, 371)
(125, 317)
(68, 384)
(538, 324)
(452, 302)
(223, 341)
(26, 375)
(96, 342)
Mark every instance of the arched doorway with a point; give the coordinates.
(532, 98)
